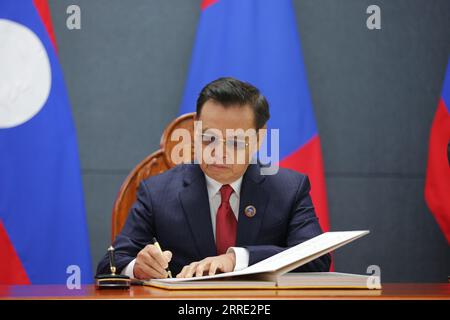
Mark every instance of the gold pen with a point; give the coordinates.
(156, 244)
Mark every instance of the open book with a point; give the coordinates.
(273, 272)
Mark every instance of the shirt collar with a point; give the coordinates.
(214, 186)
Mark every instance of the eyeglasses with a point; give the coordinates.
(236, 144)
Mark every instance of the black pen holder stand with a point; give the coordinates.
(112, 281)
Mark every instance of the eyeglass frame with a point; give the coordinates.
(224, 141)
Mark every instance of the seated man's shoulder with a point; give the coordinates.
(173, 176)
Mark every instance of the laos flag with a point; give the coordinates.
(257, 41)
(437, 182)
(43, 232)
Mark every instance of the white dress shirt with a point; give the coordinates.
(213, 187)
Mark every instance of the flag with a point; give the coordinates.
(43, 227)
(257, 41)
(437, 180)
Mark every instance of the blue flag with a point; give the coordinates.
(43, 231)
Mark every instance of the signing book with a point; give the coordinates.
(273, 272)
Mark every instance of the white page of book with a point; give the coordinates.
(299, 252)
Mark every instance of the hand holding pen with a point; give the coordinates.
(152, 263)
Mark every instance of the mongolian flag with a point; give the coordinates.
(257, 41)
(43, 231)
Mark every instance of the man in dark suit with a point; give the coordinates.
(218, 215)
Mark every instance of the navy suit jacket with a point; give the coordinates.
(174, 208)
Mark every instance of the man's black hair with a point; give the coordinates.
(232, 92)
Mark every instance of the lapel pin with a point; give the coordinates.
(250, 211)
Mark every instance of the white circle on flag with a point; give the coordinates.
(25, 74)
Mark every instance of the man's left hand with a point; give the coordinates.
(209, 266)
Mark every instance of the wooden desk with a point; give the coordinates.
(390, 291)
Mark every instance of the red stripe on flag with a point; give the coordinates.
(206, 3)
(308, 160)
(11, 270)
(437, 182)
(44, 13)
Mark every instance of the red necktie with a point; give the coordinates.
(226, 224)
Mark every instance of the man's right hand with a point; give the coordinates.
(151, 264)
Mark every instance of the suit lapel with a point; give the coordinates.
(195, 203)
(252, 194)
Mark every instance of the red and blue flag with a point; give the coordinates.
(43, 227)
(437, 182)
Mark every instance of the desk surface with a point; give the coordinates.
(390, 291)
